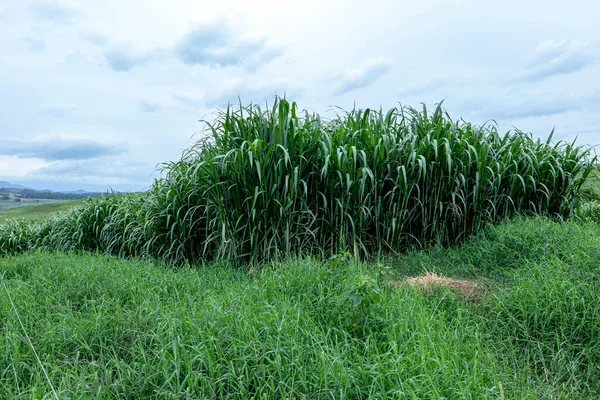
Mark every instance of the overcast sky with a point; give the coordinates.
(97, 93)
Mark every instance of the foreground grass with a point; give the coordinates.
(31, 213)
(106, 328)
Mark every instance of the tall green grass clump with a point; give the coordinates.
(277, 181)
(269, 182)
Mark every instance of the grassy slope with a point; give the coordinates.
(106, 328)
(37, 212)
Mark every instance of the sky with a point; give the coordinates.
(97, 94)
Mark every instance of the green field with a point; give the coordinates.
(108, 328)
(6, 204)
(35, 212)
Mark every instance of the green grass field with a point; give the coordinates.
(109, 328)
(36, 212)
(6, 204)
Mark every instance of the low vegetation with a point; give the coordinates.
(108, 328)
(269, 183)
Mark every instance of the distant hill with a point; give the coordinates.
(8, 185)
(75, 191)
(49, 195)
(23, 192)
(43, 194)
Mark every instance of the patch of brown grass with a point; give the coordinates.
(465, 288)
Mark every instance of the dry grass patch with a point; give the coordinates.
(430, 280)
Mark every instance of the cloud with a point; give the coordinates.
(215, 44)
(123, 57)
(58, 109)
(363, 75)
(422, 88)
(148, 106)
(257, 93)
(59, 147)
(231, 91)
(561, 57)
(34, 45)
(13, 167)
(535, 109)
(523, 104)
(187, 101)
(53, 11)
(209, 44)
(111, 170)
(97, 39)
(97, 174)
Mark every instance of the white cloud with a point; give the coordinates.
(212, 44)
(34, 44)
(232, 91)
(216, 44)
(108, 169)
(12, 166)
(53, 11)
(59, 147)
(60, 110)
(365, 74)
(123, 57)
(557, 57)
(98, 175)
(187, 101)
(148, 106)
(95, 38)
